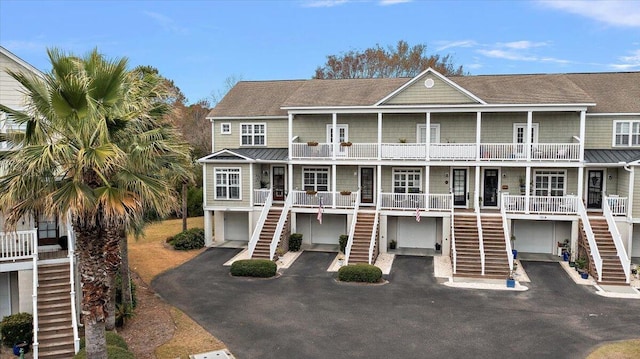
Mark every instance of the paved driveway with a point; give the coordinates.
(306, 314)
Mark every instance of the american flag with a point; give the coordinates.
(417, 214)
(320, 209)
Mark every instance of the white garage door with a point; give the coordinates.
(635, 244)
(5, 295)
(236, 226)
(534, 236)
(326, 233)
(412, 234)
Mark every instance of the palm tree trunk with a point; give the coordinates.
(125, 274)
(110, 322)
(184, 206)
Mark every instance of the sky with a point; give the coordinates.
(201, 44)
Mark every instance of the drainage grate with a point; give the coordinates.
(218, 354)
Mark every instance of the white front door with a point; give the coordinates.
(343, 136)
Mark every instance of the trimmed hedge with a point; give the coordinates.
(295, 241)
(344, 238)
(190, 239)
(16, 328)
(113, 352)
(113, 339)
(366, 273)
(262, 268)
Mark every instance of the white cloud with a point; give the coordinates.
(522, 45)
(523, 50)
(393, 2)
(507, 55)
(612, 12)
(324, 3)
(443, 45)
(630, 62)
(166, 22)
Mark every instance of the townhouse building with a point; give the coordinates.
(469, 167)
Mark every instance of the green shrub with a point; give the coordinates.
(113, 352)
(194, 202)
(360, 273)
(262, 268)
(113, 339)
(295, 241)
(190, 239)
(17, 328)
(344, 238)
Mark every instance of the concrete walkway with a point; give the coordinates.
(305, 313)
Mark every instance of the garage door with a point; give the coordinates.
(635, 244)
(534, 236)
(5, 295)
(236, 226)
(412, 234)
(326, 233)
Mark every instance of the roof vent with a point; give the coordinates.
(429, 83)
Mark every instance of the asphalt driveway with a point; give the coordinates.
(305, 313)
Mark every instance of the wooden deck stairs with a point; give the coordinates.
(266, 234)
(496, 263)
(55, 334)
(612, 271)
(467, 245)
(362, 239)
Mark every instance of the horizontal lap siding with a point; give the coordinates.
(210, 180)
(311, 127)
(557, 127)
(498, 127)
(440, 93)
(636, 194)
(398, 127)
(11, 90)
(623, 183)
(599, 132)
(456, 128)
(276, 134)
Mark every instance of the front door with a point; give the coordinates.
(594, 189)
(278, 183)
(343, 136)
(366, 185)
(490, 193)
(459, 187)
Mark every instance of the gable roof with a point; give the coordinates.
(248, 154)
(613, 92)
(256, 98)
(19, 61)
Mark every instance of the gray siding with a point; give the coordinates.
(277, 130)
(440, 93)
(10, 89)
(210, 181)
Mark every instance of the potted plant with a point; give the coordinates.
(312, 192)
(340, 260)
(581, 264)
(345, 193)
(345, 144)
(393, 244)
(280, 252)
(312, 143)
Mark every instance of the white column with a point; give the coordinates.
(580, 193)
(218, 228)
(427, 121)
(528, 135)
(583, 125)
(290, 133)
(251, 187)
(527, 189)
(427, 174)
(379, 136)
(378, 182)
(208, 228)
(333, 181)
(290, 177)
(334, 124)
(476, 192)
(478, 134)
(213, 135)
(632, 179)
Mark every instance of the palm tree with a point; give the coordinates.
(94, 150)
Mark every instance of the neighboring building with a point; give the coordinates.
(37, 272)
(478, 159)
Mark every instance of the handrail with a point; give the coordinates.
(71, 242)
(278, 232)
(352, 229)
(258, 228)
(36, 326)
(507, 234)
(480, 239)
(453, 239)
(617, 238)
(374, 231)
(593, 246)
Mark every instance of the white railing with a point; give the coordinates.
(617, 239)
(618, 205)
(71, 247)
(359, 151)
(260, 196)
(555, 151)
(312, 199)
(278, 232)
(502, 151)
(374, 231)
(352, 229)
(303, 150)
(452, 151)
(403, 151)
(593, 246)
(507, 234)
(541, 204)
(428, 202)
(453, 239)
(347, 200)
(480, 240)
(18, 244)
(34, 296)
(258, 228)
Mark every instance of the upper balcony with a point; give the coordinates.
(436, 151)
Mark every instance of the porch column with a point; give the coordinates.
(213, 135)
(251, 187)
(528, 135)
(290, 177)
(290, 134)
(580, 193)
(379, 136)
(478, 136)
(379, 183)
(208, 228)
(333, 183)
(583, 125)
(632, 179)
(428, 135)
(426, 186)
(334, 143)
(476, 192)
(527, 190)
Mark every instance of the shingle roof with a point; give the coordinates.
(260, 154)
(614, 92)
(611, 156)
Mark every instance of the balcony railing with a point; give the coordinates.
(18, 245)
(312, 199)
(260, 196)
(439, 151)
(540, 204)
(618, 205)
(412, 201)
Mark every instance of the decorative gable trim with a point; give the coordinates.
(212, 157)
(439, 76)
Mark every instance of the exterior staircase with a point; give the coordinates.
(266, 234)
(55, 328)
(468, 262)
(496, 263)
(612, 271)
(362, 239)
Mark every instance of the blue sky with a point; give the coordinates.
(199, 44)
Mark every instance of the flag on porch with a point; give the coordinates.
(319, 217)
(417, 214)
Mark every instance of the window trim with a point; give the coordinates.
(253, 134)
(215, 184)
(315, 185)
(395, 170)
(559, 172)
(534, 126)
(222, 128)
(631, 133)
(435, 128)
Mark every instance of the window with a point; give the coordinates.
(315, 179)
(253, 134)
(228, 183)
(626, 133)
(225, 128)
(549, 183)
(407, 180)
(434, 134)
(519, 129)
(47, 227)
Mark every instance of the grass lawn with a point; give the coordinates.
(628, 349)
